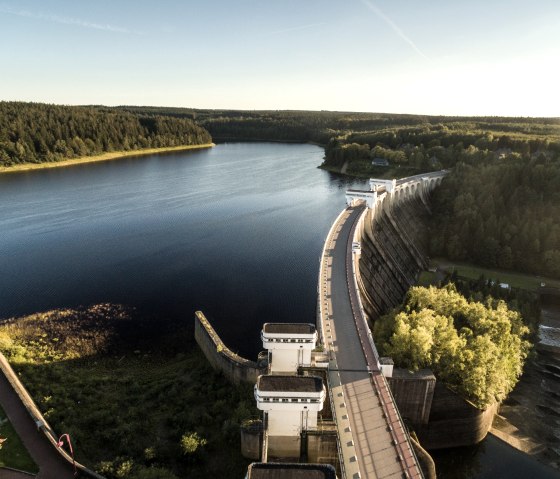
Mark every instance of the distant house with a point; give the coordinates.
(434, 161)
(379, 162)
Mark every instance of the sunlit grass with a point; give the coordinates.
(513, 279)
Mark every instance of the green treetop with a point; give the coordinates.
(476, 349)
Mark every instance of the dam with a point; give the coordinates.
(361, 275)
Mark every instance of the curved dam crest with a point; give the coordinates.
(393, 251)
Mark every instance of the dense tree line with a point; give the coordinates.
(335, 123)
(477, 349)
(431, 146)
(35, 133)
(523, 301)
(501, 213)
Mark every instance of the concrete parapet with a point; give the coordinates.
(234, 367)
(426, 461)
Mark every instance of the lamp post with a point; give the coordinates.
(60, 443)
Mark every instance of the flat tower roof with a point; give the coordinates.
(299, 384)
(291, 471)
(289, 328)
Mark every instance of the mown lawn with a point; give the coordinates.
(515, 280)
(427, 278)
(13, 453)
(127, 389)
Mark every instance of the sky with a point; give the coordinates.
(450, 57)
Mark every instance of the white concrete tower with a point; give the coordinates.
(291, 403)
(289, 346)
(389, 185)
(353, 197)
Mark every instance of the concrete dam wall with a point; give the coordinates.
(394, 243)
(393, 252)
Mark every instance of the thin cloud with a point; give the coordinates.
(395, 27)
(293, 29)
(64, 20)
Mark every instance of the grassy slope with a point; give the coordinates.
(13, 453)
(126, 389)
(113, 155)
(515, 280)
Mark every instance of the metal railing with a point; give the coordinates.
(411, 468)
(39, 419)
(338, 444)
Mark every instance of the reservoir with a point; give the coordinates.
(236, 231)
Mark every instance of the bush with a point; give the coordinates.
(477, 349)
(191, 443)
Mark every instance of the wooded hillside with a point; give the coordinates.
(36, 133)
(501, 213)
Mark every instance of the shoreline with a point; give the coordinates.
(111, 155)
(511, 435)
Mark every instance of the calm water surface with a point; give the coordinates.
(236, 231)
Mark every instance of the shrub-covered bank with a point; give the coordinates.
(134, 392)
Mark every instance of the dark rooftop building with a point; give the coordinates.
(289, 328)
(290, 471)
(380, 162)
(359, 191)
(300, 384)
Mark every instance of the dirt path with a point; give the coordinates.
(51, 465)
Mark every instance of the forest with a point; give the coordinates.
(430, 146)
(37, 133)
(502, 213)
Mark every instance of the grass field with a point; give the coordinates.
(13, 453)
(427, 278)
(127, 389)
(515, 280)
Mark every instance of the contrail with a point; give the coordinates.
(63, 20)
(394, 26)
